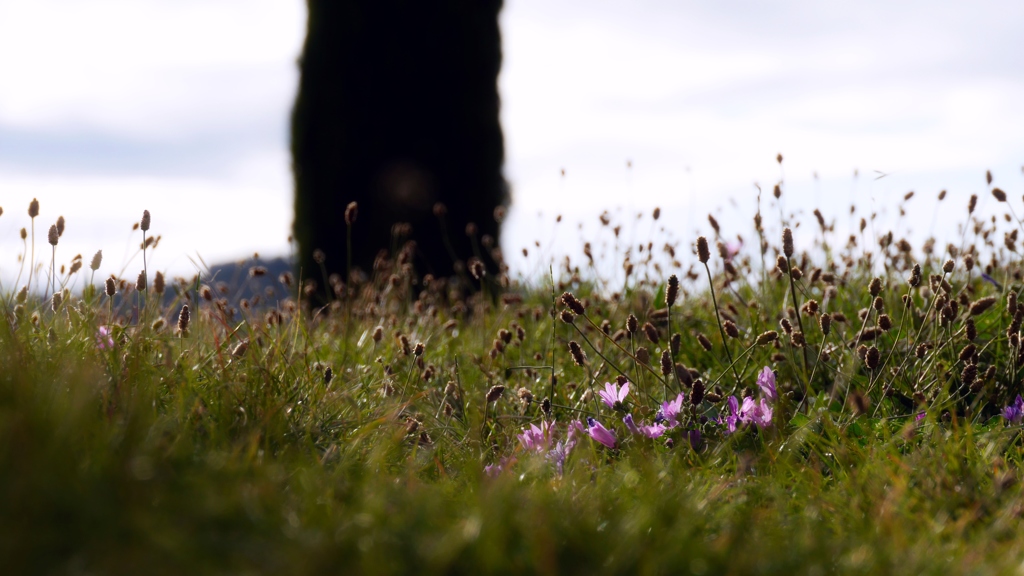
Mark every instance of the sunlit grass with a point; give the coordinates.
(372, 425)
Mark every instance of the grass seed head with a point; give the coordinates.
(872, 357)
(999, 194)
(351, 213)
(56, 301)
(767, 337)
(982, 305)
(704, 342)
(632, 324)
(672, 290)
(577, 353)
(144, 223)
(183, 319)
(140, 282)
(787, 242)
(33, 208)
(703, 252)
(52, 236)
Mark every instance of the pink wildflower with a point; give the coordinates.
(600, 433)
(766, 381)
(614, 396)
(534, 438)
(104, 340)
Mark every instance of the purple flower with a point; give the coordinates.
(534, 438)
(991, 280)
(766, 381)
(104, 340)
(757, 414)
(1014, 412)
(614, 396)
(630, 425)
(732, 249)
(732, 419)
(694, 436)
(670, 411)
(492, 470)
(653, 431)
(600, 433)
(920, 416)
(558, 454)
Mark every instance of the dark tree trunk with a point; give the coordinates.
(398, 110)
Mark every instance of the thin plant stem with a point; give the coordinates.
(718, 317)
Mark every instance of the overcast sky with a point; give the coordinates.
(181, 107)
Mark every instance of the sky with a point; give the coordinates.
(181, 107)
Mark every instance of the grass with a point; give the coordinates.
(301, 439)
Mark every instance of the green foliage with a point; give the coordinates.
(304, 440)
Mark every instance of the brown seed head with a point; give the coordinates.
(969, 262)
(632, 324)
(666, 363)
(494, 393)
(999, 194)
(872, 357)
(875, 286)
(970, 330)
(714, 223)
(476, 268)
(672, 290)
(767, 337)
(981, 305)
(573, 303)
(972, 203)
(577, 353)
(140, 282)
(33, 208)
(786, 325)
(730, 329)
(657, 213)
(351, 213)
(884, 322)
(239, 350)
(378, 333)
(988, 177)
(110, 286)
(787, 242)
(703, 252)
(878, 304)
(704, 342)
(419, 349)
(777, 192)
(915, 276)
(52, 235)
(60, 226)
(97, 259)
(643, 356)
(144, 223)
(697, 394)
(969, 374)
(56, 301)
(651, 332)
(967, 353)
(782, 264)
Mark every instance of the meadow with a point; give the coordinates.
(848, 407)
